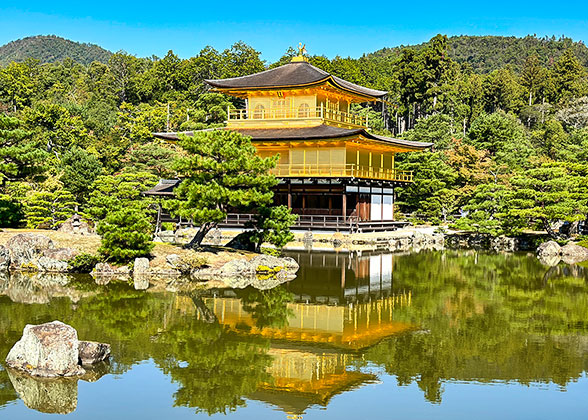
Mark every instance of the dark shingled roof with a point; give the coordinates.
(292, 75)
(164, 187)
(308, 133)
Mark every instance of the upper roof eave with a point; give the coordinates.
(291, 75)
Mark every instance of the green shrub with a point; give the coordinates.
(271, 251)
(84, 263)
(126, 234)
(583, 243)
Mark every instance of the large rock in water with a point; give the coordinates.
(90, 352)
(47, 350)
(549, 248)
(572, 253)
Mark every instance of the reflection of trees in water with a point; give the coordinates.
(213, 367)
(7, 392)
(269, 308)
(487, 318)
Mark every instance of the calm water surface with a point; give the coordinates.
(429, 335)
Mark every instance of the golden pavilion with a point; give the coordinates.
(334, 172)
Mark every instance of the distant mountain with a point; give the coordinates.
(488, 53)
(51, 48)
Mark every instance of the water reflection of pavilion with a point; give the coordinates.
(313, 353)
(337, 278)
(341, 306)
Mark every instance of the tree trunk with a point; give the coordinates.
(574, 228)
(549, 229)
(199, 237)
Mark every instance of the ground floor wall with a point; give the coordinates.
(361, 201)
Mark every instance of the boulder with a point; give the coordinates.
(141, 266)
(46, 350)
(104, 269)
(173, 260)
(62, 254)
(4, 258)
(91, 352)
(103, 273)
(237, 268)
(52, 396)
(51, 265)
(264, 263)
(141, 273)
(548, 248)
(572, 253)
(26, 248)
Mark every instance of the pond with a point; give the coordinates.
(439, 334)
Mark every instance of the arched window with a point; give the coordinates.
(303, 111)
(259, 112)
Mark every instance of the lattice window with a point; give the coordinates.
(259, 112)
(303, 111)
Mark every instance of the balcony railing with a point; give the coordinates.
(297, 113)
(342, 170)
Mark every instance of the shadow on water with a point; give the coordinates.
(428, 318)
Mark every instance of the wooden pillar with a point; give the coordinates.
(330, 204)
(344, 212)
(303, 203)
(289, 195)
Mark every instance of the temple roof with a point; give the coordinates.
(295, 74)
(308, 133)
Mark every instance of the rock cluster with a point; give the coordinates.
(53, 350)
(551, 253)
(416, 242)
(261, 271)
(34, 252)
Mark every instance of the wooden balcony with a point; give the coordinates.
(294, 114)
(341, 171)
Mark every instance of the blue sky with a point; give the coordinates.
(329, 28)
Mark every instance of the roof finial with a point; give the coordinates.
(301, 51)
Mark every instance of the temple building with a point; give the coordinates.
(333, 171)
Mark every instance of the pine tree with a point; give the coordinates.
(221, 172)
(19, 156)
(48, 209)
(273, 225)
(126, 234)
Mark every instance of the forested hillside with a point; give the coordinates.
(487, 53)
(51, 48)
(510, 145)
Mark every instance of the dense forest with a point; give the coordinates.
(510, 134)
